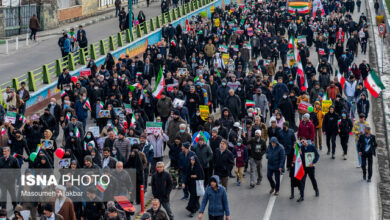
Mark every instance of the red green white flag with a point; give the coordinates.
(102, 186)
(88, 105)
(76, 132)
(160, 84)
(374, 84)
(132, 123)
(291, 42)
(249, 103)
(341, 79)
(299, 172)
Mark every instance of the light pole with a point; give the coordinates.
(130, 15)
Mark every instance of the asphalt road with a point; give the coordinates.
(343, 193)
(47, 50)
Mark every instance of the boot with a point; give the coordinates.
(292, 193)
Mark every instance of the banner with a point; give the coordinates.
(171, 86)
(178, 102)
(95, 130)
(290, 58)
(128, 108)
(204, 112)
(10, 117)
(225, 58)
(302, 39)
(223, 48)
(85, 72)
(249, 31)
(303, 106)
(64, 163)
(216, 22)
(153, 127)
(325, 106)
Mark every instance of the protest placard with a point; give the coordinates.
(153, 127)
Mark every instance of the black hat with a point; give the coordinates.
(186, 145)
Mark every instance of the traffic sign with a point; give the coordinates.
(382, 29)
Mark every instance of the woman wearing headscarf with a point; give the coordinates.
(109, 62)
(134, 161)
(74, 145)
(194, 172)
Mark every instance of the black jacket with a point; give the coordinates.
(224, 162)
(258, 148)
(161, 186)
(94, 209)
(329, 124)
(362, 145)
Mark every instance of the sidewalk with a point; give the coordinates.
(45, 49)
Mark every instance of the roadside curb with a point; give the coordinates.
(99, 17)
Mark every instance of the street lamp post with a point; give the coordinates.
(130, 15)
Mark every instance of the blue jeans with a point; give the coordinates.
(351, 100)
(358, 156)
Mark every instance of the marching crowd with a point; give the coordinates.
(257, 109)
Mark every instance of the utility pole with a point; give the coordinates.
(130, 15)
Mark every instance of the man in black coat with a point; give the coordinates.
(224, 163)
(162, 187)
(8, 162)
(287, 109)
(367, 145)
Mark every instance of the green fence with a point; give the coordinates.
(48, 73)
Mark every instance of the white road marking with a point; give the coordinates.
(271, 203)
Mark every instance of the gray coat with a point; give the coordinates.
(262, 103)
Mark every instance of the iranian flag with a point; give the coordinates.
(115, 130)
(22, 119)
(325, 96)
(249, 103)
(218, 73)
(291, 42)
(76, 132)
(132, 123)
(85, 146)
(68, 116)
(373, 84)
(160, 84)
(341, 79)
(196, 78)
(297, 57)
(301, 8)
(63, 93)
(88, 105)
(101, 186)
(173, 42)
(298, 171)
(101, 104)
(3, 130)
(140, 98)
(15, 155)
(134, 86)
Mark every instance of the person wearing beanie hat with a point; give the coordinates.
(306, 128)
(276, 157)
(224, 162)
(123, 145)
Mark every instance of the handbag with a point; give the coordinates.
(200, 187)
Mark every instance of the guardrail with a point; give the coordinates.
(49, 73)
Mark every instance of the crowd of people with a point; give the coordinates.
(256, 108)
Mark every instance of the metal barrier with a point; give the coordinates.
(49, 73)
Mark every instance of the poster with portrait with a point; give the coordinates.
(104, 113)
(47, 144)
(133, 140)
(118, 110)
(309, 157)
(64, 163)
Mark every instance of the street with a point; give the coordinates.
(47, 50)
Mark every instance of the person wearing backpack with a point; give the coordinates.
(317, 118)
